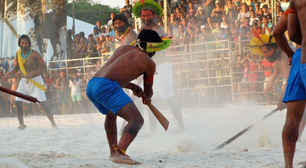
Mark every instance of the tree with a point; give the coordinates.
(91, 12)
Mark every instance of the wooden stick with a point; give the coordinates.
(245, 130)
(26, 97)
(159, 116)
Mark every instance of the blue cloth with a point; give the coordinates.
(106, 95)
(295, 90)
(303, 73)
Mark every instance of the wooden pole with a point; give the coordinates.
(26, 97)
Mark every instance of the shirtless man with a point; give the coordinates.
(273, 54)
(31, 84)
(105, 91)
(163, 79)
(295, 95)
(121, 24)
(266, 46)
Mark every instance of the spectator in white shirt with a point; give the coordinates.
(75, 84)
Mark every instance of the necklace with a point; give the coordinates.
(25, 57)
(122, 36)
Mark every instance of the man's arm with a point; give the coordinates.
(279, 35)
(56, 84)
(148, 80)
(294, 30)
(137, 91)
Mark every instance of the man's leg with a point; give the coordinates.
(48, 113)
(176, 111)
(19, 114)
(110, 126)
(135, 121)
(302, 125)
(295, 110)
(266, 93)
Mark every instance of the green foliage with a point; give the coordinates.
(91, 12)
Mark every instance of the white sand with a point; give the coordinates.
(81, 141)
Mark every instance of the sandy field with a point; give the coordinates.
(81, 142)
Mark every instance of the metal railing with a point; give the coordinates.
(201, 73)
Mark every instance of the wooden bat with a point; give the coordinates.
(159, 116)
(26, 97)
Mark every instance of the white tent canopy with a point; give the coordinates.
(80, 26)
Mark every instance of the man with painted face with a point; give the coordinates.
(32, 65)
(266, 46)
(105, 90)
(163, 85)
(121, 24)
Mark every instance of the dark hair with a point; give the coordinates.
(121, 17)
(147, 35)
(24, 36)
(82, 34)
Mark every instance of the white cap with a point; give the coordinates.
(203, 26)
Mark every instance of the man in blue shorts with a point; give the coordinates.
(295, 95)
(106, 93)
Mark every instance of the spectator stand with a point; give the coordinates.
(202, 73)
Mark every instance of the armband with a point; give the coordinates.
(148, 78)
(292, 10)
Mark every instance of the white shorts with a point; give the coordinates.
(163, 82)
(27, 88)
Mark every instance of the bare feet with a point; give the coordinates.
(54, 126)
(22, 127)
(123, 159)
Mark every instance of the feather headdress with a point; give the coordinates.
(147, 4)
(259, 40)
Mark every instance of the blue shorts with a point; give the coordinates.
(303, 73)
(106, 95)
(295, 90)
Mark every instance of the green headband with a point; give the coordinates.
(154, 46)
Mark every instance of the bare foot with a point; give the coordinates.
(22, 127)
(54, 126)
(120, 158)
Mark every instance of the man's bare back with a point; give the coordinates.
(126, 64)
